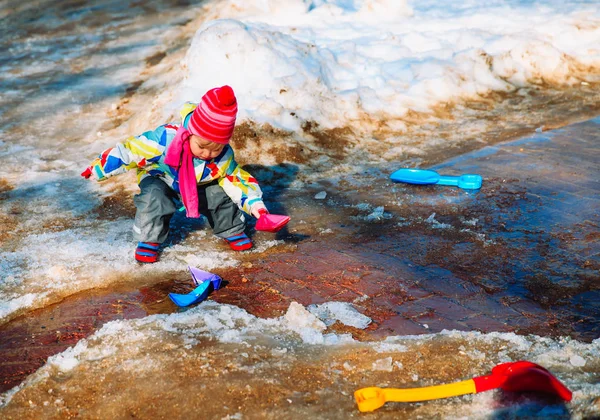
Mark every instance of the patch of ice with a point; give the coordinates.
(378, 214)
(195, 257)
(383, 364)
(577, 361)
(262, 246)
(65, 363)
(403, 222)
(344, 312)
(337, 339)
(321, 195)
(388, 346)
(11, 305)
(435, 224)
(236, 416)
(279, 351)
(305, 324)
(361, 299)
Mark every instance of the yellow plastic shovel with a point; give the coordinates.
(512, 376)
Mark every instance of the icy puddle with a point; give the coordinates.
(216, 361)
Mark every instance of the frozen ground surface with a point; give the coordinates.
(344, 95)
(433, 263)
(238, 366)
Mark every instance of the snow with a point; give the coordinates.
(349, 63)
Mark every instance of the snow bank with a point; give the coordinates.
(352, 63)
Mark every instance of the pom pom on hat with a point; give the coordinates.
(226, 95)
(214, 118)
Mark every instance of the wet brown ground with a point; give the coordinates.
(520, 255)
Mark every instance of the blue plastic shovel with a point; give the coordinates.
(428, 177)
(205, 282)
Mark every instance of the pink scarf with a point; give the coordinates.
(179, 156)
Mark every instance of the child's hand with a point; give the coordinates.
(258, 210)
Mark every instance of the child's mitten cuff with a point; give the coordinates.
(94, 171)
(258, 209)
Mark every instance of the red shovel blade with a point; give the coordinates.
(522, 376)
(271, 222)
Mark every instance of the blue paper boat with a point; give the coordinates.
(206, 282)
(428, 177)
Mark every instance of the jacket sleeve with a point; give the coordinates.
(240, 186)
(135, 152)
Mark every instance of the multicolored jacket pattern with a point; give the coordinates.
(146, 154)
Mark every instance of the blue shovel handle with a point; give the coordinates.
(429, 177)
(466, 181)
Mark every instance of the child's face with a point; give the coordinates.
(203, 149)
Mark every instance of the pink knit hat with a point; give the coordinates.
(214, 118)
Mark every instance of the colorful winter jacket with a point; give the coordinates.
(146, 153)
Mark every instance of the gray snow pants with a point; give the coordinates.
(156, 205)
